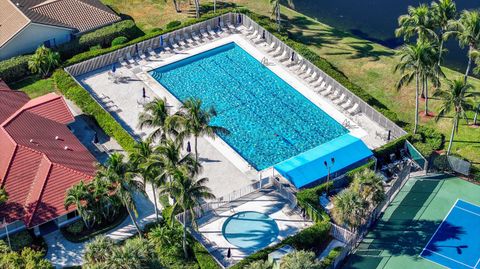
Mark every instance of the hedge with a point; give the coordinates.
(204, 259)
(89, 106)
(330, 259)
(119, 41)
(307, 239)
(308, 199)
(14, 68)
(369, 165)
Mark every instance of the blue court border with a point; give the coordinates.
(444, 260)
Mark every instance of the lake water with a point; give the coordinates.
(376, 20)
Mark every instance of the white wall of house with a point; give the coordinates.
(31, 37)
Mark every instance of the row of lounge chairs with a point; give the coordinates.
(179, 42)
(298, 66)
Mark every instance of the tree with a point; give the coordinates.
(142, 153)
(167, 239)
(275, 4)
(27, 258)
(197, 8)
(414, 61)
(369, 186)
(260, 264)
(457, 99)
(44, 61)
(154, 116)
(188, 193)
(194, 121)
(80, 197)
(418, 22)
(467, 31)
(3, 196)
(444, 13)
(105, 202)
(300, 259)
(119, 173)
(349, 209)
(98, 251)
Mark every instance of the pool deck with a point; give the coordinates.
(268, 202)
(222, 165)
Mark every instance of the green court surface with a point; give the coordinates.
(407, 225)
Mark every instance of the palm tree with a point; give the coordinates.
(119, 174)
(3, 196)
(260, 264)
(418, 22)
(197, 8)
(443, 14)
(188, 193)
(275, 4)
(369, 186)
(414, 59)
(193, 120)
(44, 61)
(106, 204)
(79, 196)
(154, 116)
(431, 72)
(467, 31)
(300, 259)
(455, 98)
(98, 251)
(349, 209)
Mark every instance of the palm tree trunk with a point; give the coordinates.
(469, 65)
(175, 3)
(426, 96)
(196, 150)
(455, 122)
(184, 243)
(476, 115)
(214, 6)
(134, 221)
(197, 9)
(440, 54)
(416, 104)
(277, 14)
(154, 190)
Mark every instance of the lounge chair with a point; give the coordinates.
(301, 69)
(271, 47)
(347, 104)
(143, 56)
(248, 30)
(196, 37)
(327, 91)
(189, 40)
(223, 27)
(231, 27)
(354, 109)
(276, 51)
(311, 78)
(122, 62)
(210, 31)
(306, 74)
(322, 87)
(254, 34)
(152, 53)
(317, 82)
(336, 94)
(174, 44)
(284, 57)
(180, 41)
(340, 99)
(204, 33)
(130, 59)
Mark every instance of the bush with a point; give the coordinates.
(204, 259)
(15, 68)
(75, 227)
(119, 41)
(173, 24)
(350, 174)
(89, 106)
(21, 240)
(96, 47)
(393, 146)
(428, 140)
(330, 259)
(309, 199)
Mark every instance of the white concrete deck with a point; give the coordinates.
(268, 202)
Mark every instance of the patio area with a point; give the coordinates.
(267, 202)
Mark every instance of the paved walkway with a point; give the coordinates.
(62, 252)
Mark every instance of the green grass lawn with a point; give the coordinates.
(409, 222)
(34, 86)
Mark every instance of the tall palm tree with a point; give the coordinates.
(369, 186)
(79, 196)
(349, 209)
(194, 121)
(467, 31)
(414, 60)
(139, 157)
(105, 202)
(275, 5)
(197, 8)
(431, 72)
(418, 22)
(154, 116)
(444, 13)
(457, 99)
(189, 193)
(118, 172)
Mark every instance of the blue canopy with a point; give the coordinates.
(308, 167)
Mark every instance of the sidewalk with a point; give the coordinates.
(62, 253)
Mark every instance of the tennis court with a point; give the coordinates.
(413, 222)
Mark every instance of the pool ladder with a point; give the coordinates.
(265, 61)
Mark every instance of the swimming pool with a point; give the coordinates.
(250, 230)
(269, 121)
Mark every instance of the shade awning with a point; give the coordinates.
(308, 167)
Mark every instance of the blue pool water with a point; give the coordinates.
(250, 230)
(269, 121)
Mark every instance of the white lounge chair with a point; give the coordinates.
(130, 59)
(254, 34)
(173, 44)
(306, 74)
(196, 37)
(284, 57)
(354, 109)
(347, 104)
(248, 30)
(301, 69)
(340, 99)
(188, 39)
(204, 33)
(223, 27)
(180, 41)
(322, 87)
(257, 39)
(317, 82)
(122, 62)
(210, 31)
(276, 51)
(327, 91)
(151, 52)
(231, 27)
(336, 94)
(271, 47)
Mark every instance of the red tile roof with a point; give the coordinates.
(40, 158)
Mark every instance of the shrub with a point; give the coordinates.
(173, 24)
(75, 227)
(154, 30)
(21, 240)
(393, 146)
(15, 68)
(308, 199)
(330, 259)
(89, 106)
(350, 174)
(428, 140)
(96, 47)
(204, 259)
(119, 41)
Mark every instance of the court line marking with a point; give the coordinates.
(461, 208)
(477, 263)
(446, 257)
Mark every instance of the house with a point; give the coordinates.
(27, 24)
(39, 161)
